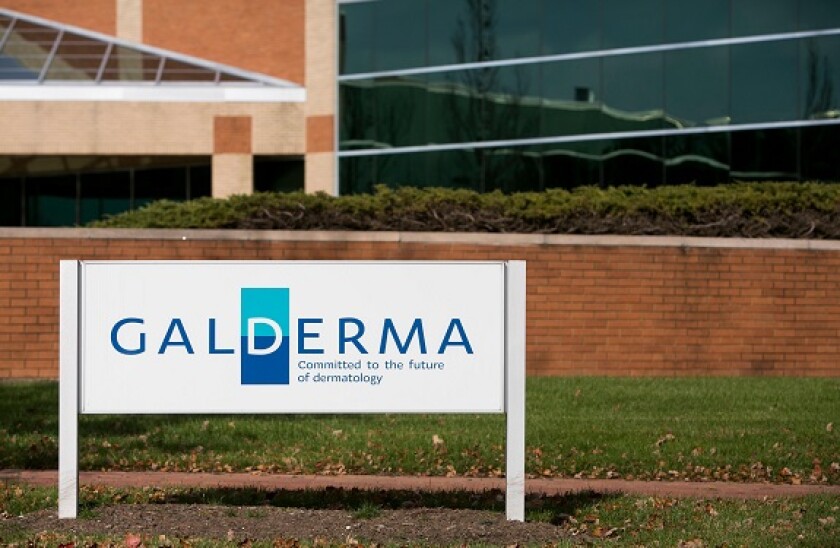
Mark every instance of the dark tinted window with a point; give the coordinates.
(11, 192)
(356, 37)
(570, 26)
(763, 16)
(764, 82)
(687, 20)
(697, 159)
(400, 35)
(277, 174)
(768, 155)
(103, 194)
(819, 14)
(820, 77)
(51, 201)
(635, 161)
(571, 97)
(636, 23)
(633, 85)
(820, 161)
(697, 86)
(518, 28)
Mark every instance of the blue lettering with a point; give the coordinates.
(120, 348)
(388, 327)
(343, 339)
(213, 349)
(303, 335)
(167, 339)
(455, 323)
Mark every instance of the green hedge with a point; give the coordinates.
(752, 210)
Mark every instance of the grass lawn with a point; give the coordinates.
(781, 429)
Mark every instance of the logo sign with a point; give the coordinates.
(283, 337)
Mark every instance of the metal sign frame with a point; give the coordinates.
(70, 352)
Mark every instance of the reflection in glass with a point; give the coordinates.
(571, 92)
(632, 87)
(356, 34)
(569, 165)
(443, 29)
(51, 201)
(510, 104)
(129, 64)
(570, 26)
(697, 87)
(104, 194)
(764, 82)
(400, 113)
(635, 161)
(356, 127)
(11, 194)
(466, 31)
(820, 77)
(819, 158)
(763, 17)
(178, 71)
(457, 99)
(819, 14)
(357, 175)
(701, 159)
(518, 32)
(403, 170)
(400, 34)
(512, 169)
(688, 20)
(765, 155)
(636, 23)
(26, 51)
(76, 58)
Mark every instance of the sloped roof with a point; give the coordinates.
(46, 60)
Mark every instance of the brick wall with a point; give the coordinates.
(96, 15)
(596, 305)
(264, 36)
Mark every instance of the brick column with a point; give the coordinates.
(321, 173)
(233, 162)
(130, 20)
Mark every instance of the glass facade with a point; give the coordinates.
(75, 190)
(535, 94)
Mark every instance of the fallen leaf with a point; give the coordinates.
(133, 541)
(829, 427)
(437, 441)
(827, 521)
(667, 437)
(693, 543)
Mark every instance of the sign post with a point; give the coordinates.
(292, 337)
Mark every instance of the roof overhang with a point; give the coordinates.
(223, 93)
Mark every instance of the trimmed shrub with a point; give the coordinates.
(751, 210)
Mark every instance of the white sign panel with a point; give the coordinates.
(291, 337)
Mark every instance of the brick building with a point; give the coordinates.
(108, 104)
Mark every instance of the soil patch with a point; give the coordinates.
(179, 521)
